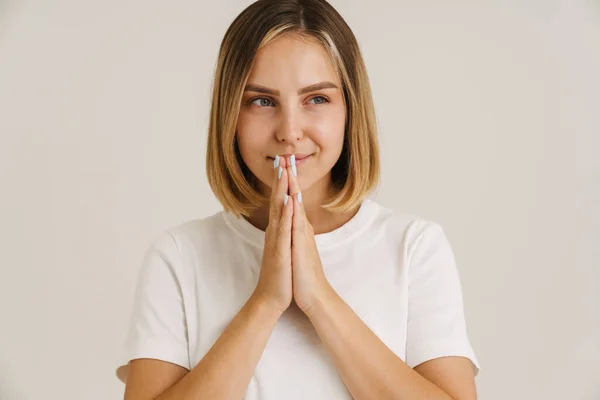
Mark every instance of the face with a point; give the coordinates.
(282, 115)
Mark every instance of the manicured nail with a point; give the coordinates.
(293, 162)
(299, 197)
(279, 173)
(276, 162)
(285, 200)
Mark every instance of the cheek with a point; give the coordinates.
(329, 131)
(251, 137)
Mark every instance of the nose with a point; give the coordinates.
(289, 129)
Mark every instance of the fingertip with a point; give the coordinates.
(296, 207)
(287, 214)
(300, 209)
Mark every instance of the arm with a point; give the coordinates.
(159, 329)
(223, 373)
(371, 370)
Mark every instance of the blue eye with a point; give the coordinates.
(265, 102)
(262, 104)
(320, 97)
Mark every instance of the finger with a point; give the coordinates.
(292, 178)
(279, 189)
(298, 224)
(284, 230)
(299, 205)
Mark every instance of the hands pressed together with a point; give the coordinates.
(291, 267)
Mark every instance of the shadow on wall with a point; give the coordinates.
(7, 9)
(596, 7)
(6, 390)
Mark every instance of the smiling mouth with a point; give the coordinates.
(297, 159)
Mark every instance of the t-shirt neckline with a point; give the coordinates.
(325, 241)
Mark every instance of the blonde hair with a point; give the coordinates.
(356, 173)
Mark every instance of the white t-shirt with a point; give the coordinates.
(397, 272)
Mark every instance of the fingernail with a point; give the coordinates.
(293, 162)
(285, 200)
(299, 197)
(279, 173)
(276, 162)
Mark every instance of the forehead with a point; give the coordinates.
(292, 60)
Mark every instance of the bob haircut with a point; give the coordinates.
(356, 173)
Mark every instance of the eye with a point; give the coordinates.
(264, 102)
(323, 100)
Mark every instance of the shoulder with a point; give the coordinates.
(195, 232)
(179, 243)
(403, 226)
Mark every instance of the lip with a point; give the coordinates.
(300, 161)
(300, 158)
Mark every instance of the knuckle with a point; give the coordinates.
(283, 228)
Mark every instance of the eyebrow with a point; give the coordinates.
(317, 86)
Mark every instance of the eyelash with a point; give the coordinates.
(326, 100)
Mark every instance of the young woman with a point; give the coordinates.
(302, 287)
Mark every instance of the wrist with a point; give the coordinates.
(265, 307)
(322, 302)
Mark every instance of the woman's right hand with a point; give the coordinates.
(275, 280)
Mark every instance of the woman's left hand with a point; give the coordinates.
(310, 285)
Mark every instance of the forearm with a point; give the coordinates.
(367, 366)
(225, 371)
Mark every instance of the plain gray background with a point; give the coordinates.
(489, 117)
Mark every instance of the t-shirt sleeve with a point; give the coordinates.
(436, 320)
(157, 328)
